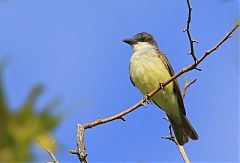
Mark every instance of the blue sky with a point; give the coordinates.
(75, 49)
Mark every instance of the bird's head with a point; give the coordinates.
(141, 39)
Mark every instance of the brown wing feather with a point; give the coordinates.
(175, 82)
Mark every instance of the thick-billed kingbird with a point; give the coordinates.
(148, 68)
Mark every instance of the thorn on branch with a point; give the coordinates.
(73, 151)
(198, 69)
(122, 118)
(195, 41)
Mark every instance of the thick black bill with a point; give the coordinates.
(129, 41)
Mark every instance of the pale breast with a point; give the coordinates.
(147, 71)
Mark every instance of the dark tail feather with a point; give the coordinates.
(183, 131)
(189, 128)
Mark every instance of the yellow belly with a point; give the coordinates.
(147, 72)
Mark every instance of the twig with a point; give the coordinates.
(187, 29)
(50, 152)
(186, 85)
(117, 116)
(146, 97)
(183, 153)
(180, 148)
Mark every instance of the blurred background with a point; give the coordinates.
(64, 62)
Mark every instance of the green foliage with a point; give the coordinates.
(20, 129)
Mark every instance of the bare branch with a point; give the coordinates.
(81, 150)
(183, 153)
(180, 148)
(187, 29)
(117, 116)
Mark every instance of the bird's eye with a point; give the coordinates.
(142, 39)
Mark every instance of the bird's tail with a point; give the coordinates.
(184, 130)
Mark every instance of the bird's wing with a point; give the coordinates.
(175, 82)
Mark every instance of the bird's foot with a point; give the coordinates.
(161, 86)
(146, 97)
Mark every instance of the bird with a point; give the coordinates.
(148, 68)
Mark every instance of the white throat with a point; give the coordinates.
(143, 46)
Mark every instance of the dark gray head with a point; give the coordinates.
(141, 37)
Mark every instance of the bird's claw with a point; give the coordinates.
(161, 86)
